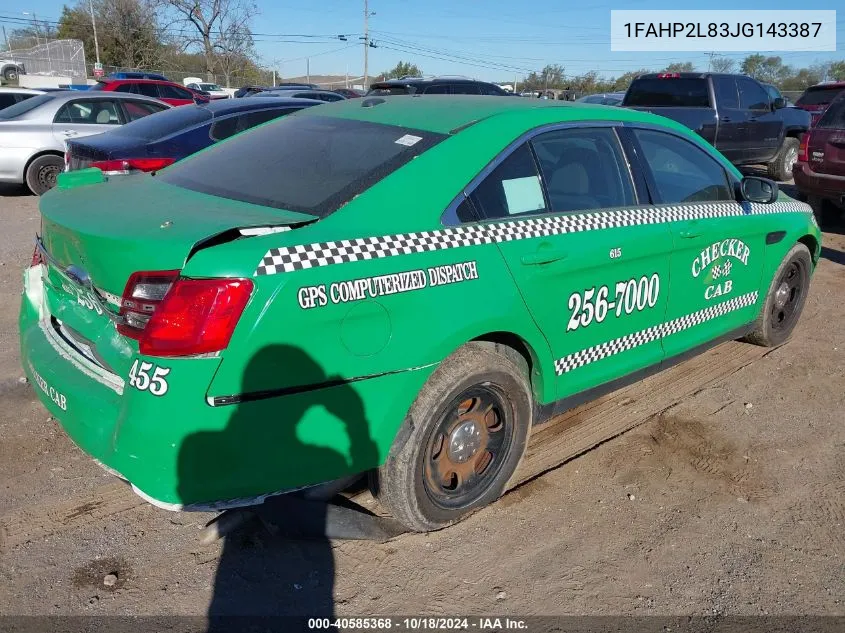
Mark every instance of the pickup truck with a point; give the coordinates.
(10, 69)
(735, 113)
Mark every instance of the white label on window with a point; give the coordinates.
(409, 140)
(524, 195)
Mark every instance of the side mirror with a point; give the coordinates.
(779, 103)
(755, 189)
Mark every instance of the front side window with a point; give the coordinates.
(681, 171)
(311, 164)
(437, 89)
(172, 92)
(583, 169)
(752, 96)
(513, 187)
(88, 112)
(125, 88)
(139, 109)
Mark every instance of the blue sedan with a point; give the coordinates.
(156, 141)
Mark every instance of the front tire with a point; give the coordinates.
(781, 166)
(10, 73)
(462, 439)
(42, 173)
(785, 299)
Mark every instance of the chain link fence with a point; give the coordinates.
(59, 58)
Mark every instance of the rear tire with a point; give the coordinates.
(781, 166)
(10, 73)
(462, 439)
(42, 172)
(785, 299)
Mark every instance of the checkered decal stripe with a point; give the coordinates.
(630, 341)
(290, 258)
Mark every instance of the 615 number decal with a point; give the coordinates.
(141, 378)
(631, 295)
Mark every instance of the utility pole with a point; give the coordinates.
(710, 57)
(94, 24)
(308, 70)
(6, 37)
(366, 41)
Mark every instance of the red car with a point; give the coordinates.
(166, 91)
(819, 172)
(816, 98)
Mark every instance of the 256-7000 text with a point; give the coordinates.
(631, 295)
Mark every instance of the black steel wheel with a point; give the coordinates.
(42, 173)
(785, 299)
(468, 447)
(461, 440)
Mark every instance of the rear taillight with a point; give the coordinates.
(37, 258)
(143, 293)
(804, 148)
(196, 316)
(126, 165)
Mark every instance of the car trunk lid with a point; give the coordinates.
(826, 149)
(95, 237)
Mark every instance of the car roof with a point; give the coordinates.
(221, 107)
(411, 81)
(136, 80)
(828, 84)
(22, 91)
(446, 114)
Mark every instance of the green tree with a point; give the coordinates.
(679, 67)
(722, 65)
(621, 83)
(837, 71)
(403, 69)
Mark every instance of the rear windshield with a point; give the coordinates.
(380, 91)
(834, 116)
(819, 96)
(682, 92)
(311, 164)
(22, 107)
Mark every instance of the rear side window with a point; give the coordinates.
(7, 99)
(687, 92)
(583, 169)
(727, 95)
(311, 164)
(513, 188)
(681, 171)
(465, 89)
(834, 116)
(819, 96)
(126, 88)
(490, 89)
(148, 90)
(752, 96)
(437, 89)
(232, 125)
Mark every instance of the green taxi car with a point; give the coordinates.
(401, 287)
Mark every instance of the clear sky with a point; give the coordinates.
(489, 39)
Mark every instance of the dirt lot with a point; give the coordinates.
(728, 497)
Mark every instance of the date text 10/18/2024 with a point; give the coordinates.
(482, 624)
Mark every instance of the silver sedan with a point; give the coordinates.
(33, 132)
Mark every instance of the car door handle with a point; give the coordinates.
(688, 234)
(70, 132)
(545, 256)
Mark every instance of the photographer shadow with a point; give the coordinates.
(263, 573)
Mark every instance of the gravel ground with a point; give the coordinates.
(731, 501)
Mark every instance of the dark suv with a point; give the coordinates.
(820, 171)
(816, 98)
(437, 85)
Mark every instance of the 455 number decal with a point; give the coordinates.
(631, 295)
(143, 379)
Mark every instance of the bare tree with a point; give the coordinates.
(213, 21)
(722, 65)
(233, 46)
